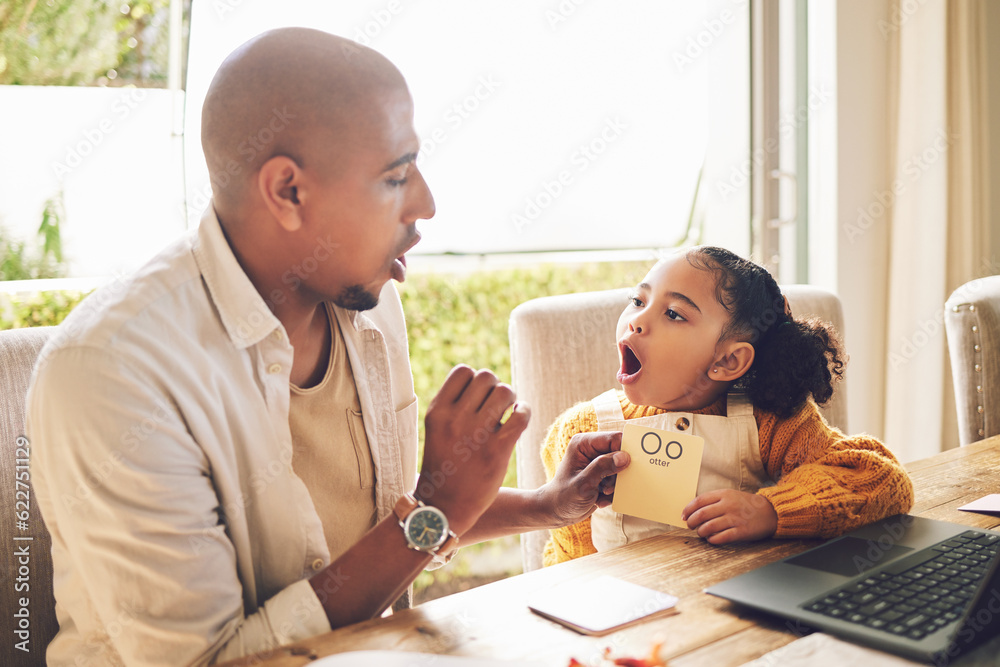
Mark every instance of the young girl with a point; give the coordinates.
(708, 345)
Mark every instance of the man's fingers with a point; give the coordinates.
(592, 445)
(454, 385)
(480, 392)
(517, 421)
(603, 467)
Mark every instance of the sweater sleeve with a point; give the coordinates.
(828, 483)
(571, 541)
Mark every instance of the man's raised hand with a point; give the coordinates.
(466, 448)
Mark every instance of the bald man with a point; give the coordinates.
(225, 450)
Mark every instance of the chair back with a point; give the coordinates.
(22, 532)
(562, 351)
(972, 323)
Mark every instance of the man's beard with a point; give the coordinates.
(356, 297)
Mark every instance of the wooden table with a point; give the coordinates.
(493, 620)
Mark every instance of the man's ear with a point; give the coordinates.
(733, 362)
(280, 183)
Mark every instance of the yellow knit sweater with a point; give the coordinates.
(827, 483)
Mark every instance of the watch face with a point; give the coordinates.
(426, 528)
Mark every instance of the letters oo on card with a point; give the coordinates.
(662, 477)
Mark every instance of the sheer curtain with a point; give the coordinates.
(939, 218)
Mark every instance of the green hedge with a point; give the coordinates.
(41, 309)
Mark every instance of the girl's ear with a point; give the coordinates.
(733, 362)
(280, 185)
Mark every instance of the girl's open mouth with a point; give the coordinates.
(631, 366)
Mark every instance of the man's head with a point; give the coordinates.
(311, 150)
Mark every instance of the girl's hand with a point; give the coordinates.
(728, 515)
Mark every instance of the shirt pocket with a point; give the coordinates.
(362, 450)
(406, 429)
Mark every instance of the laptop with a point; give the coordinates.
(923, 589)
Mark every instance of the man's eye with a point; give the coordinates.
(396, 182)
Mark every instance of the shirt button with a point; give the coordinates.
(317, 565)
(682, 423)
(277, 334)
(274, 369)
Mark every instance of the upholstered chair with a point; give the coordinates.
(26, 576)
(972, 322)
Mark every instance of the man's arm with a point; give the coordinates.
(466, 451)
(137, 522)
(584, 481)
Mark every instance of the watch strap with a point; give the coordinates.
(406, 504)
(451, 544)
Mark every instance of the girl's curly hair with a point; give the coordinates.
(793, 359)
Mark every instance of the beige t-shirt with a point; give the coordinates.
(330, 451)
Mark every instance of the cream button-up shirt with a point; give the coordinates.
(158, 417)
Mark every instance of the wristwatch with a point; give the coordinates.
(425, 527)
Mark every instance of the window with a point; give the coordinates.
(545, 126)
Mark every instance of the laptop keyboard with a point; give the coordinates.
(920, 599)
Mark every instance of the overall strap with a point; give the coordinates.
(738, 404)
(608, 407)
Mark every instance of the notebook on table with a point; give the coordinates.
(920, 588)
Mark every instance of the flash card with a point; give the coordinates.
(987, 505)
(601, 605)
(662, 477)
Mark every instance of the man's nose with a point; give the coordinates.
(422, 206)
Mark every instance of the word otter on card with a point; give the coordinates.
(663, 475)
(674, 450)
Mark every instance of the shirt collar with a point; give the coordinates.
(244, 313)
